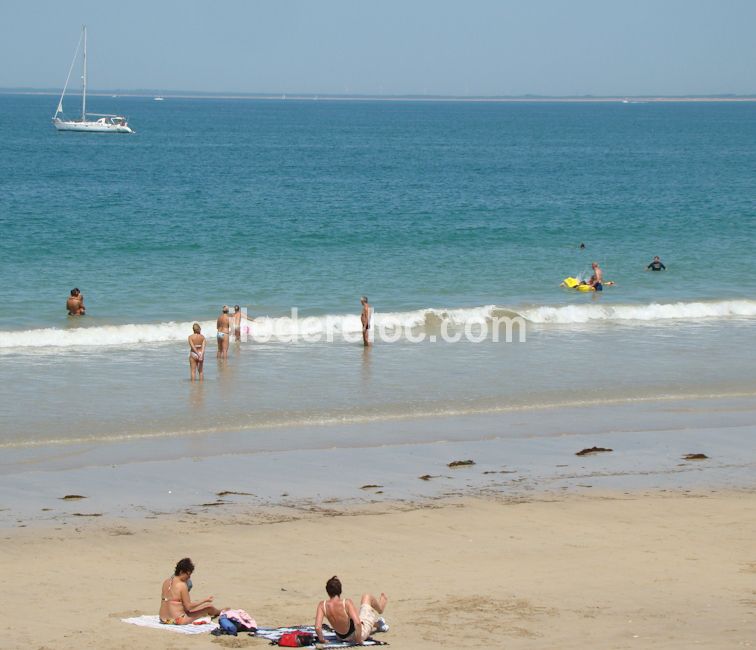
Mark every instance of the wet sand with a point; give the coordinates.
(645, 569)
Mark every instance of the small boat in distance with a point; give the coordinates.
(159, 99)
(104, 123)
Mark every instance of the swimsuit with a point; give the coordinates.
(598, 286)
(220, 335)
(179, 620)
(351, 629)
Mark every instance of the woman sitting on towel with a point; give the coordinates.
(175, 606)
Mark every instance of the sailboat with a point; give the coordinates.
(104, 123)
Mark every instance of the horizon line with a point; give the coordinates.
(199, 94)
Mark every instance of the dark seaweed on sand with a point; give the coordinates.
(591, 450)
(461, 463)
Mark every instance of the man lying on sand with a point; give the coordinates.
(347, 624)
(175, 606)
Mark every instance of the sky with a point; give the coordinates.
(393, 47)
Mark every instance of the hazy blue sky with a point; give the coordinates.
(480, 47)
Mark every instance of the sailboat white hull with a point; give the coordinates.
(106, 123)
(91, 127)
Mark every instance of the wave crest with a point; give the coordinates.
(285, 328)
(654, 312)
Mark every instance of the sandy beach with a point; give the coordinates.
(643, 569)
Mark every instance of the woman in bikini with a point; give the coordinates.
(196, 353)
(175, 606)
(349, 625)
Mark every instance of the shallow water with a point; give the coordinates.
(445, 214)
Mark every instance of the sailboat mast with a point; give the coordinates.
(84, 78)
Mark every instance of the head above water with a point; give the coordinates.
(656, 258)
(196, 328)
(184, 565)
(333, 587)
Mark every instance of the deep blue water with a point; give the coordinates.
(274, 204)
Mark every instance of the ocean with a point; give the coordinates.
(446, 214)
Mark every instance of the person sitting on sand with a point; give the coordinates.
(75, 303)
(196, 352)
(175, 606)
(347, 624)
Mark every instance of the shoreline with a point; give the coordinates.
(553, 569)
(516, 454)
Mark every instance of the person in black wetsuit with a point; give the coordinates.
(656, 265)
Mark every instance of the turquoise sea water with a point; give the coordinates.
(440, 206)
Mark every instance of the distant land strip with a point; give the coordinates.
(629, 99)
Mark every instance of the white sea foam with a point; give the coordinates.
(654, 312)
(337, 326)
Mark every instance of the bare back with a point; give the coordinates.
(223, 323)
(74, 306)
(337, 611)
(171, 599)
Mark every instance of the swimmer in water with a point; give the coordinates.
(656, 265)
(597, 279)
(75, 303)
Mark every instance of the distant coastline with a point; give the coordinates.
(582, 99)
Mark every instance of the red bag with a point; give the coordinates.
(296, 639)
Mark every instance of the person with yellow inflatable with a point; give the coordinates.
(596, 282)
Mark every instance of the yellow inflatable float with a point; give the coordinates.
(574, 283)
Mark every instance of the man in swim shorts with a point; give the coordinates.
(349, 625)
(597, 279)
(365, 317)
(223, 326)
(656, 265)
(75, 303)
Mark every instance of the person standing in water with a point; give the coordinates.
(597, 279)
(197, 344)
(365, 318)
(224, 331)
(75, 303)
(656, 265)
(237, 319)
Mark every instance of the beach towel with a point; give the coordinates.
(273, 634)
(154, 622)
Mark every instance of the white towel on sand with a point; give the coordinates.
(154, 622)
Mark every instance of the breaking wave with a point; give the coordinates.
(285, 328)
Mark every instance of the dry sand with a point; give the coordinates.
(642, 570)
